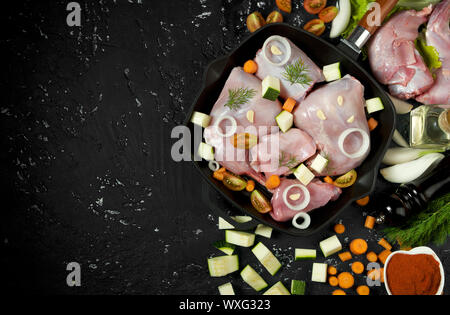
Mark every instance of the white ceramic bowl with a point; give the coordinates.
(416, 251)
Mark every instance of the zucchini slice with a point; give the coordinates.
(374, 105)
(304, 175)
(305, 254)
(226, 289)
(264, 231)
(206, 152)
(330, 246)
(242, 239)
(253, 279)
(277, 289)
(332, 72)
(319, 273)
(285, 121)
(225, 247)
(271, 88)
(298, 287)
(267, 258)
(201, 119)
(223, 266)
(319, 164)
(224, 225)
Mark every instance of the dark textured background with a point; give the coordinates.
(86, 117)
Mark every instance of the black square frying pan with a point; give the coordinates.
(322, 53)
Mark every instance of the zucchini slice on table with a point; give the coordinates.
(277, 289)
(253, 279)
(223, 266)
(267, 258)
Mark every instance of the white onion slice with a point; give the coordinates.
(214, 166)
(306, 199)
(287, 47)
(364, 147)
(231, 130)
(306, 221)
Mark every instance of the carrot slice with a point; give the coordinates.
(358, 247)
(370, 222)
(363, 290)
(328, 180)
(346, 280)
(250, 186)
(273, 182)
(384, 255)
(339, 228)
(358, 267)
(332, 270)
(385, 244)
(284, 5)
(376, 274)
(373, 124)
(363, 202)
(219, 175)
(333, 281)
(372, 257)
(251, 67)
(339, 292)
(289, 105)
(345, 256)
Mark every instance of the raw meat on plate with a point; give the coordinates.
(278, 154)
(394, 58)
(320, 194)
(290, 87)
(438, 36)
(334, 116)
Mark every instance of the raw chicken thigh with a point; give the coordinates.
(394, 59)
(334, 116)
(234, 159)
(289, 88)
(320, 194)
(278, 154)
(438, 36)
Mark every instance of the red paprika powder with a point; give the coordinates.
(413, 275)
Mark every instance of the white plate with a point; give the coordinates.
(416, 251)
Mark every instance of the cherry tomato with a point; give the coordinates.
(284, 5)
(255, 21)
(316, 27)
(314, 6)
(328, 14)
(274, 17)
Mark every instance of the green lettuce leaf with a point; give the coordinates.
(416, 4)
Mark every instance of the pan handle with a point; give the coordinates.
(212, 200)
(366, 27)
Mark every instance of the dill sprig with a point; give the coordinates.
(238, 97)
(296, 73)
(430, 226)
(288, 161)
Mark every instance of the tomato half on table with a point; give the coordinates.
(314, 6)
(316, 27)
(284, 5)
(328, 14)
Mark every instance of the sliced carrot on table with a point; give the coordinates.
(289, 105)
(385, 244)
(376, 274)
(339, 292)
(345, 256)
(251, 67)
(363, 202)
(346, 280)
(358, 247)
(222, 170)
(370, 222)
(363, 290)
(219, 175)
(273, 182)
(333, 281)
(358, 267)
(332, 271)
(339, 228)
(250, 186)
(372, 257)
(373, 124)
(328, 180)
(384, 255)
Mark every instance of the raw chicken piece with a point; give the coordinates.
(438, 36)
(233, 159)
(288, 89)
(278, 154)
(394, 59)
(321, 193)
(327, 114)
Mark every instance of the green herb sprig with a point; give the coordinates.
(296, 73)
(288, 161)
(238, 97)
(430, 226)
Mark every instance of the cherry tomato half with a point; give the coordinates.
(316, 26)
(328, 14)
(314, 6)
(284, 5)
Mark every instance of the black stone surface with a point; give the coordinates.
(86, 119)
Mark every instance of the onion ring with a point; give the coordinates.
(214, 166)
(233, 126)
(364, 148)
(286, 45)
(307, 221)
(304, 204)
